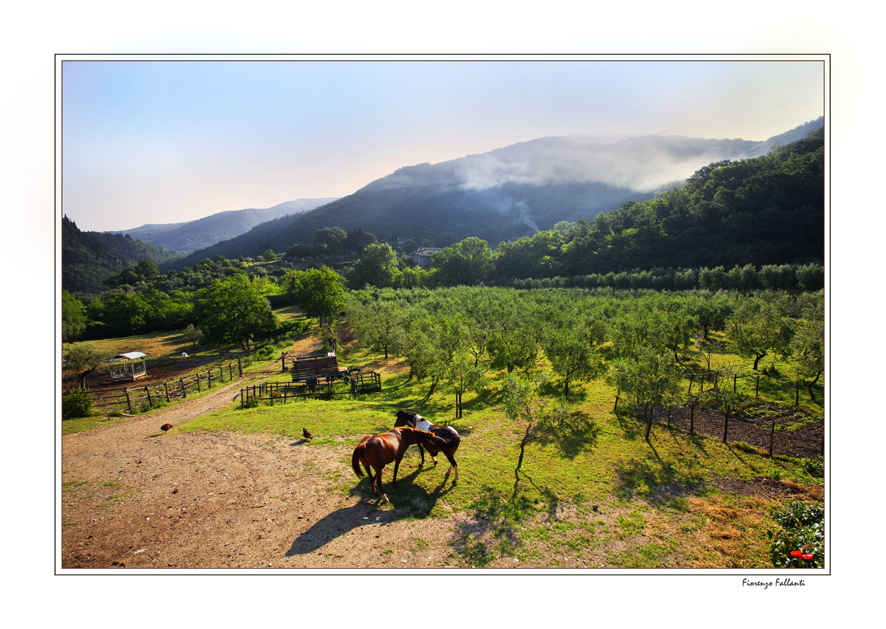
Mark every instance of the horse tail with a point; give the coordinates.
(355, 459)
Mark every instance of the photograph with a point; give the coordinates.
(366, 314)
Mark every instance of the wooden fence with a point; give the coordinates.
(282, 392)
(713, 379)
(131, 398)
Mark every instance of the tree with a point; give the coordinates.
(523, 404)
(465, 263)
(377, 266)
(192, 334)
(319, 292)
(234, 310)
(758, 327)
(808, 346)
(650, 377)
(572, 345)
(83, 359)
(73, 317)
(269, 255)
(332, 238)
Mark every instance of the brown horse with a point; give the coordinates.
(447, 434)
(376, 451)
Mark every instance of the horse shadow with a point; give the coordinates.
(412, 502)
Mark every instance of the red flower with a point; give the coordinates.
(796, 553)
(808, 557)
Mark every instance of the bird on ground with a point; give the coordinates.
(306, 434)
(165, 427)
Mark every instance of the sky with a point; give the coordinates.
(167, 141)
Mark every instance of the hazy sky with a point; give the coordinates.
(150, 141)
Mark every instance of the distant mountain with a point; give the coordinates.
(187, 237)
(522, 188)
(505, 193)
(89, 258)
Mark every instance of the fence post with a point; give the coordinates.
(231, 371)
(128, 401)
(209, 379)
(797, 394)
(240, 365)
(166, 386)
(184, 391)
(726, 424)
(148, 391)
(735, 383)
(198, 382)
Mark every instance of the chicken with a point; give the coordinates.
(306, 433)
(165, 427)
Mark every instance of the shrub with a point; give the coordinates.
(265, 353)
(77, 404)
(800, 542)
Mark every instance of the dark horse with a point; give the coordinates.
(376, 451)
(447, 434)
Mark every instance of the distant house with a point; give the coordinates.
(422, 257)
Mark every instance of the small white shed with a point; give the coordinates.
(131, 368)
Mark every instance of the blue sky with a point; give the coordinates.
(151, 141)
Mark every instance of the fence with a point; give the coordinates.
(282, 392)
(130, 398)
(713, 379)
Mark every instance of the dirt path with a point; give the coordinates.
(134, 497)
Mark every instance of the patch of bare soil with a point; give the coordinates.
(797, 434)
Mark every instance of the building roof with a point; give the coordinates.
(132, 355)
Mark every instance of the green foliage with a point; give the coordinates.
(800, 542)
(377, 266)
(73, 317)
(77, 403)
(83, 359)
(266, 352)
(234, 310)
(319, 292)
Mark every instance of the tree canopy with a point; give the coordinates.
(234, 310)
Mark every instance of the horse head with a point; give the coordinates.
(405, 418)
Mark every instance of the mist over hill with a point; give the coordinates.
(519, 189)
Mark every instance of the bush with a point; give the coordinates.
(77, 404)
(266, 353)
(800, 542)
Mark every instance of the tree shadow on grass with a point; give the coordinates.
(578, 434)
(408, 501)
(655, 481)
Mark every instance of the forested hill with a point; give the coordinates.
(758, 211)
(187, 237)
(89, 258)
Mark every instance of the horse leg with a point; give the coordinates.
(452, 464)
(384, 498)
(422, 450)
(370, 475)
